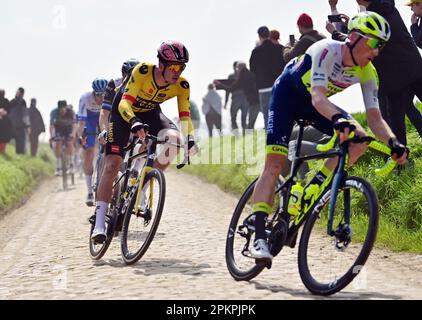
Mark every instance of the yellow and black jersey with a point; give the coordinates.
(142, 94)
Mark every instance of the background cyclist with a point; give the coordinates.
(63, 129)
(112, 87)
(88, 115)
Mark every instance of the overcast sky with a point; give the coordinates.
(54, 49)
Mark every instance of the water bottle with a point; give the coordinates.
(295, 199)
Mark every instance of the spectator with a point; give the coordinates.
(194, 115)
(20, 120)
(211, 108)
(416, 27)
(308, 37)
(37, 126)
(399, 66)
(6, 128)
(275, 36)
(238, 99)
(246, 82)
(266, 63)
(339, 26)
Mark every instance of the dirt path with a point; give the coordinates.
(44, 254)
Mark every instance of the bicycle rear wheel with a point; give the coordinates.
(240, 238)
(327, 264)
(140, 226)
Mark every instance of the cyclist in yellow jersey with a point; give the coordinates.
(138, 103)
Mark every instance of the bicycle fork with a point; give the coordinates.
(343, 231)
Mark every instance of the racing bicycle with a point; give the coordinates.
(340, 222)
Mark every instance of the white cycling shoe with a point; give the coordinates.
(260, 250)
(99, 236)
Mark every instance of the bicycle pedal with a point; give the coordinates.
(264, 263)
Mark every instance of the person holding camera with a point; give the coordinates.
(308, 37)
(399, 67)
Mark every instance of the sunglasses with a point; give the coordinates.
(176, 67)
(374, 43)
(99, 94)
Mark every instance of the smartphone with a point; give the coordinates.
(292, 39)
(334, 18)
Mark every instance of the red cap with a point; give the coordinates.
(305, 21)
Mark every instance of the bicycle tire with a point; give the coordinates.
(315, 286)
(97, 254)
(129, 257)
(235, 270)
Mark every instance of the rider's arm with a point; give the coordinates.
(184, 108)
(130, 93)
(103, 120)
(52, 121)
(74, 126)
(378, 125)
(321, 102)
(382, 7)
(82, 115)
(369, 85)
(322, 63)
(109, 96)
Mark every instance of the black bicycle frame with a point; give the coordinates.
(340, 173)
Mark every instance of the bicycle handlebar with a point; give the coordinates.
(158, 141)
(372, 143)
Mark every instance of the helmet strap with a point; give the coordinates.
(164, 70)
(351, 47)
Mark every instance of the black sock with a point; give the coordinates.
(260, 225)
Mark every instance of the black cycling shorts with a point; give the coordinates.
(64, 132)
(119, 130)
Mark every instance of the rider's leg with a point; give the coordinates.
(263, 195)
(70, 153)
(89, 170)
(323, 177)
(57, 152)
(262, 199)
(105, 189)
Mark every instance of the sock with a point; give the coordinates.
(137, 165)
(100, 213)
(144, 197)
(260, 225)
(58, 164)
(88, 180)
(261, 211)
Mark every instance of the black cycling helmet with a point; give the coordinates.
(62, 104)
(129, 65)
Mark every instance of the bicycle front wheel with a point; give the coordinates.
(97, 250)
(327, 264)
(140, 226)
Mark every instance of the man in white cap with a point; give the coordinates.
(416, 27)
